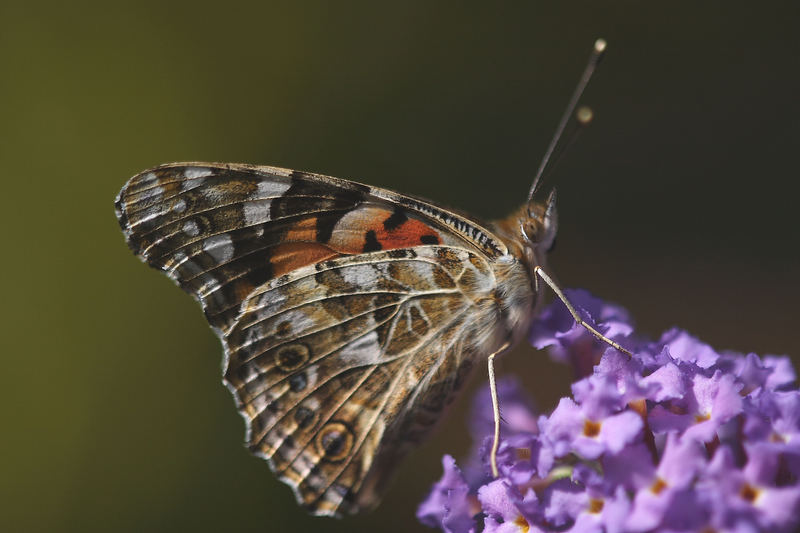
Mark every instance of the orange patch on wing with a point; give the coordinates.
(409, 233)
(304, 231)
(373, 228)
(293, 255)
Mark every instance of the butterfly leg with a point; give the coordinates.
(539, 271)
(495, 410)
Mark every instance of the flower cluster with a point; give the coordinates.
(678, 438)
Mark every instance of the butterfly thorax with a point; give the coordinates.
(516, 287)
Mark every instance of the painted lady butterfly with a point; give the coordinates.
(349, 314)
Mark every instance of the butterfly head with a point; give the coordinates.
(539, 224)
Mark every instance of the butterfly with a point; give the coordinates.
(349, 315)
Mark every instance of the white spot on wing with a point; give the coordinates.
(220, 247)
(363, 351)
(312, 404)
(363, 276)
(298, 319)
(180, 206)
(311, 376)
(152, 192)
(191, 228)
(194, 173)
(210, 291)
(148, 178)
(256, 210)
(302, 465)
(271, 189)
(194, 177)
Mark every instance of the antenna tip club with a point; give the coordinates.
(600, 46)
(584, 115)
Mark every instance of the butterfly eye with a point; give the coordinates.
(550, 223)
(540, 226)
(530, 230)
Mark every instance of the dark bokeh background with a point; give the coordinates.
(679, 202)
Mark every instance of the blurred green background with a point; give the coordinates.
(679, 202)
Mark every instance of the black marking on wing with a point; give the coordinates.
(395, 220)
(326, 222)
(371, 243)
(326, 196)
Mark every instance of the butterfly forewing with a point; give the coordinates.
(221, 230)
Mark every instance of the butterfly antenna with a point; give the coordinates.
(597, 54)
(583, 116)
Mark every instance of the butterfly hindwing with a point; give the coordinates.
(344, 355)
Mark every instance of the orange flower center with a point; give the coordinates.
(595, 505)
(658, 485)
(749, 493)
(702, 417)
(591, 428)
(523, 524)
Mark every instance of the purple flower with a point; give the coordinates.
(568, 342)
(448, 506)
(589, 430)
(750, 495)
(519, 424)
(679, 437)
(503, 505)
(709, 403)
(681, 463)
